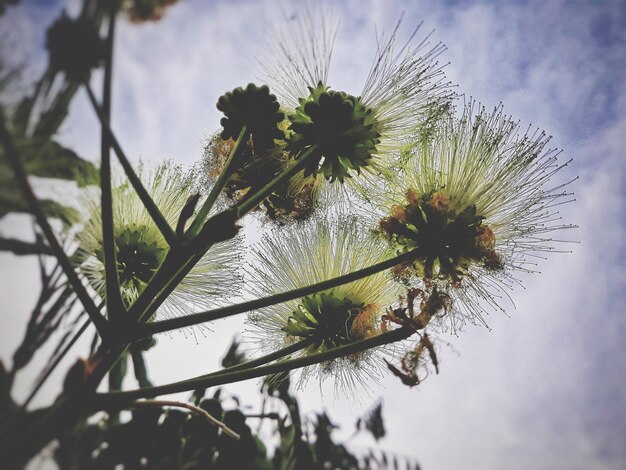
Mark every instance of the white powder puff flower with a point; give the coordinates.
(141, 248)
(477, 203)
(307, 254)
(350, 133)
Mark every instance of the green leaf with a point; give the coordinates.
(261, 462)
(11, 200)
(48, 159)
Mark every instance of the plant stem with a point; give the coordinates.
(115, 305)
(20, 175)
(150, 299)
(19, 247)
(278, 354)
(148, 329)
(56, 362)
(218, 186)
(113, 400)
(135, 181)
(266, 190)
(194, 409)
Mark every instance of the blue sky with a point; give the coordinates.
(545, 387)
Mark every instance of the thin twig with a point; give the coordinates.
(20, 175)
(194, 409)
(275, 416)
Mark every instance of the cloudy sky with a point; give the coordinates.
(545, 387)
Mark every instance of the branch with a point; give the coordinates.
(194, 409)
(218, 186)
(114, 303)
(18, 247)
(148, 329)
(278, 354)
(147, 201)
(113, 400)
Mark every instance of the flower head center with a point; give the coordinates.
(342, 127)
(447, 241)
(137, 258)
(326, 318)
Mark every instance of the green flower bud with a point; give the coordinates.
(255, 108)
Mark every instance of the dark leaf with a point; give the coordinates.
(374, 421)
(48, 159)
(233, 356)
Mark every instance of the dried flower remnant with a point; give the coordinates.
(140, 11)
(415, 360)
(310, 253)
(474, 203)
(296, 200)
(349, 134)
(433, 303)
(141, 247)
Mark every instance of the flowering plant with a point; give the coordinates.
(440, 211)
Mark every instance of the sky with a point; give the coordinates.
(545, 386)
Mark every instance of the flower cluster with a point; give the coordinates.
(467, 196)
(256, 109)
(447, 241)
(353, 132)
(339, 134)
(310, 253)
(295, 201)
(338, 127)
(141, 248)
(472, 205)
